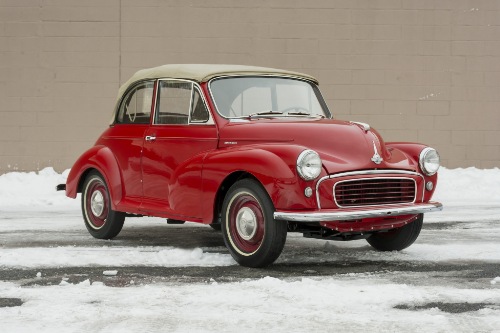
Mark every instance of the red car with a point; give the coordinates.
(255, 152)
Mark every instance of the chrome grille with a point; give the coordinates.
(374, 191)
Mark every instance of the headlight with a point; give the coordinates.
(309, 165)
(429, 161)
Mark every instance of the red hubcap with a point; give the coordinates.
(96, 203)
(245, 223)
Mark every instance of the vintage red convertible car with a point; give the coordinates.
(255, 152)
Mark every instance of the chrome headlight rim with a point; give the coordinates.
(300, 165)
(422, 161)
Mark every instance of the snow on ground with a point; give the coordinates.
(354, 302)
(31, 191)
(72, 256)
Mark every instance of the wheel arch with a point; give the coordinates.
(84, 176)
(224, 188)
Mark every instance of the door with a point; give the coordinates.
(174, 148)
(125, 139)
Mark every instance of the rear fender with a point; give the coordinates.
(101, 159)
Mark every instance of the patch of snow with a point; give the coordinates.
(294, 305)
(72, 256)
(470, 186)
(34, 191)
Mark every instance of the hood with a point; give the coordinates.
(343, 146)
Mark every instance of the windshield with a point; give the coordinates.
(247, 97)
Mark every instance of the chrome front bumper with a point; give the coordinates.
(359, 213)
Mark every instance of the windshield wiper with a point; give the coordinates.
(264, 113)
(301, 113)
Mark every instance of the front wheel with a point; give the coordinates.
(250, 232)
(397, 239)
(101, 221)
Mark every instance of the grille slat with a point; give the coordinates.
(376, 191)
(378, 186)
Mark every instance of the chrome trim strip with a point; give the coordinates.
(357, 214)
(351, 180)
(190, 102)
(365, 172)
(299, 78)
(157, 86)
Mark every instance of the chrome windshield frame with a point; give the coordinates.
(321, 101)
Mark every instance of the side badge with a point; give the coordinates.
(376, 157)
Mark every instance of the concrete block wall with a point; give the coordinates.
(426, 70)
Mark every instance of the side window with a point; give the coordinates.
(174, 98)
(199, 113)
(136, 106)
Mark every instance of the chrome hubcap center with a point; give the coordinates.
(246, 223)
(97, 203)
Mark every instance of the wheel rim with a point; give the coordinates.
(245, 222)
(96, 203)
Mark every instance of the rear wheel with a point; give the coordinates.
(250, 232)
(397, 239)
(101, 221)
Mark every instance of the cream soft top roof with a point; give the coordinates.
(204, 72)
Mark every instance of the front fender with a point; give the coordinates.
(413, 150)
(274, 166)
(101, 159)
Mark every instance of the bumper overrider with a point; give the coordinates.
(350, 214)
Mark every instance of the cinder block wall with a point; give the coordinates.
(417, 70)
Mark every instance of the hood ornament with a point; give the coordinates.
(364, 126)
(376, 157)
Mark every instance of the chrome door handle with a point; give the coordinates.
(150, 138)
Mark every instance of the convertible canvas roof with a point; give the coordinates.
(204, 72)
